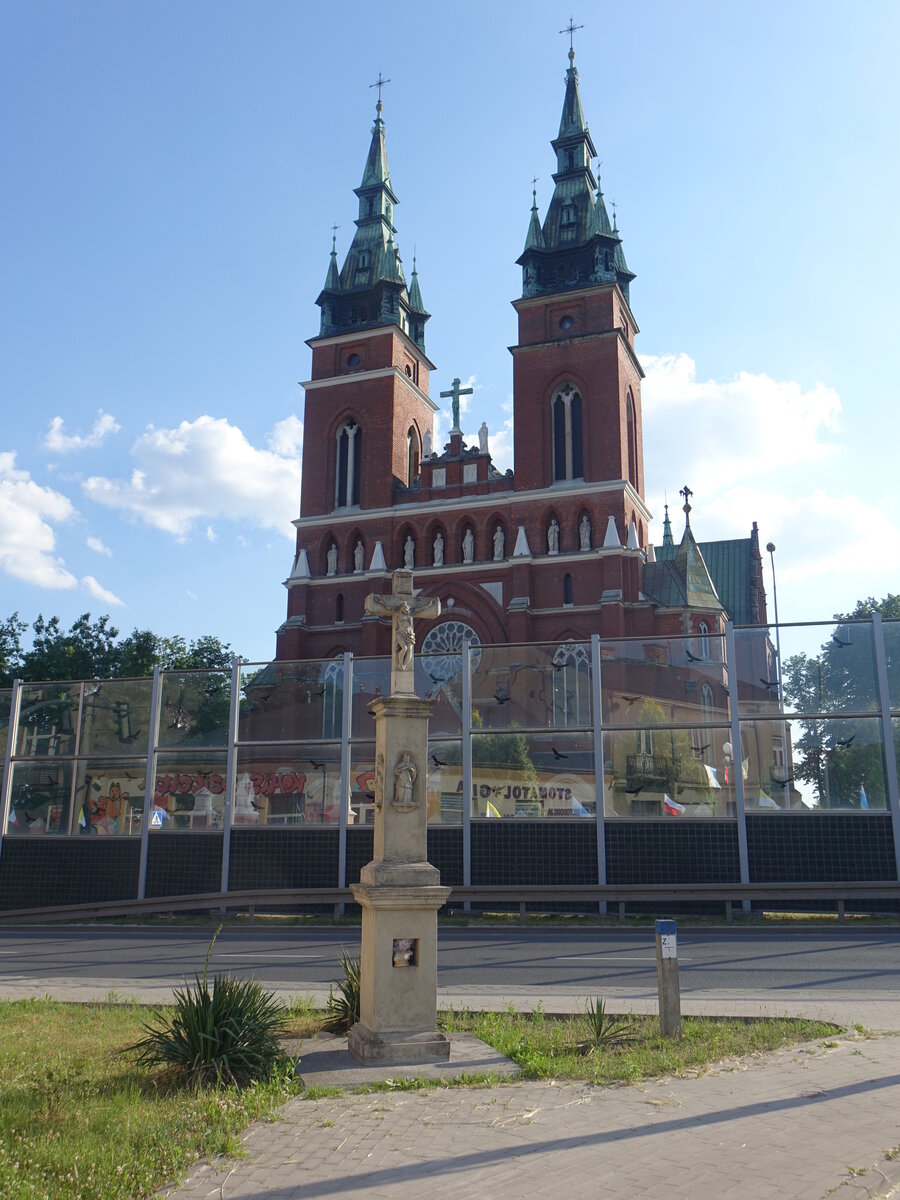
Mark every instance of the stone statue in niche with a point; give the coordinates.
(405, 775)
(483, 438)
(409, 552)
(358, 557)
(468, 546)
(332, 559)
(426, 444)
(553, 537)
(438, 549)
(379, 780)
(584, 533)
(499, 543)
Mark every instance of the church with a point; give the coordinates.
(556, 549)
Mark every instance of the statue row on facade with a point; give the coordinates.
(498, 541)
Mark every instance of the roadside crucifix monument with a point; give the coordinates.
(399, 890)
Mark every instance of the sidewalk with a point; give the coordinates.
(800, 1124)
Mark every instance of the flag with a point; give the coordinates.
(578, 809)
(863, 798)
(745, 769)
(672, 808)
(490, 811)
(711, 776)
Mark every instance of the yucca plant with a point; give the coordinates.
(343, 1007)
(225, 1034)
(606, 1029)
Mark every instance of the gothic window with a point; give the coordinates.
(703, 640)
(607, 261)
(349, 460)
(632, 439)
(567, 435)
(371, 208)
(568, 214)
(332, 698)
(568, 591)
(707, 702)
(363, 259)
(412, 454)
(570, 160)
(571, 685)
(339, 609)
(442, 659)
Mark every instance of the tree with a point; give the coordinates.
(842, 758)
(87, 651)
(11, 631)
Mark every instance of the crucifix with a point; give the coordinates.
(455, 392)
(402, 606)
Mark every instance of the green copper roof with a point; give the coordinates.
(415, 294)
(690, 566)
(668, 540)
(572, 122)
(729, 564)
(333, 278)
(377, 171)
(535, 238)
(601, 216)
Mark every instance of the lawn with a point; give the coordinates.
(80, 1121)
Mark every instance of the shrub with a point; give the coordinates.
(227, 1034)
(343, 1008)
(606, 1029)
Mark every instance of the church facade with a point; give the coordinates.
(553, 551)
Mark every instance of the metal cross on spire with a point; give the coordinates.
(379, 83)
(570, 30)
(687, 493)
(334, 230)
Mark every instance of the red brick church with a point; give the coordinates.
(557, 548)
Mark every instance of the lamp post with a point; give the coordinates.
(787, 795)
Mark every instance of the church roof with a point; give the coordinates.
(729, 565)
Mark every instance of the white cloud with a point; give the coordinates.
(90, 584)
(97, 545)
(207, 469)
(745, 428)
(500, 442)
(62, 443)
(28, 513)
(211, 534)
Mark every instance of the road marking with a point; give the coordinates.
(600, 960)
(270, 954)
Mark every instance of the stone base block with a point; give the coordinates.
(404, 1049)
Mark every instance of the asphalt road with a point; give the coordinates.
(861, 962)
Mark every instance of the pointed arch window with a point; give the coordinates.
(632, 439)
(332, 698)
(567, 435)
(707, 702)
(339, 609)
(703, 640)
(571, 686)
(349, 461)
(412, 452)
(568, 590)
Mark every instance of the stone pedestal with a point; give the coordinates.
(399, 892)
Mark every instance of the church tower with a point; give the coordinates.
(577, 379)
(367, 405)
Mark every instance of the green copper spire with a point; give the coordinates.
(370, 289)
(668, 540)
(576, 247)
(415, 294)
(333, 278)
(535, 238)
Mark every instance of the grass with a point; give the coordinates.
(548, 1047)
(80, 1120)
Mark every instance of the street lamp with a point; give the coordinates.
(787, 798)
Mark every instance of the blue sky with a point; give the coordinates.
(171, 173)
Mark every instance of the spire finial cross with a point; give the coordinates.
(570, 29)
(687, 493)
(379, 83)
(334, 230)
(534, 182)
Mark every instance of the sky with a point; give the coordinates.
(171, 175)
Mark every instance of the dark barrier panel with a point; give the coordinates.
(179, 864)
(38, 871)
(820, 848)
(283, 858)
(360, 841)
(533, 852)
(672, 852)
(445, 851)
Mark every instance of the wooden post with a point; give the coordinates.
(667, 979)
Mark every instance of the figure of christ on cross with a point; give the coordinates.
(455, 392)
(402, 606)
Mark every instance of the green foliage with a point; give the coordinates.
(343, 1007)
(839, 757)
(607, 1029)
(92, 650)
(226, 1035)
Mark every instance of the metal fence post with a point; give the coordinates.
(887, 729)
(344, 807)
(230, 769)
(149, 779)
(467, 766)
(11, 734)
(599, 781)
(738, 756)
